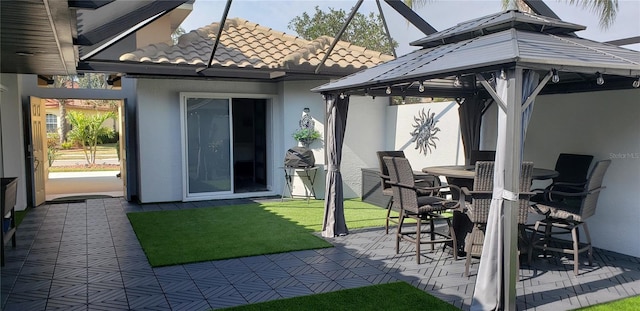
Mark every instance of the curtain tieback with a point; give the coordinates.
(333, 169)
(508, 195)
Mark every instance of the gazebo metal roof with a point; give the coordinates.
(492, 42)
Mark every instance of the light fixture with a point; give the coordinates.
(388, 90)
(503, 75)
(599, 79)
(457, 82)
(420, 87)
(555, 78)
(341, 95)
(636, 83)
(366, 92)
(324, 97)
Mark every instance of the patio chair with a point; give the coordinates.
(567, 218)
(422, 180)
(481, 155)
(478, 208)
(423, 209)
(572, 170)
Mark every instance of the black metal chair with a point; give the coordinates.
(481, 155)
(567, 218)
(425, 209)
(572, 172)
(422, 180)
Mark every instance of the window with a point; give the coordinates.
(52, 123)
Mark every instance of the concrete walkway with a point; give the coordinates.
(66, 184)
(85, 256)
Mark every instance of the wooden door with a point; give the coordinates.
(122, 154)
(38, 148)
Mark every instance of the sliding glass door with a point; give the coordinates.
(208, 146)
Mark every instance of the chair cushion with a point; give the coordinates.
(559, 211)
(434, 204)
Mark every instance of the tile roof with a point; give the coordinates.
(244, 44)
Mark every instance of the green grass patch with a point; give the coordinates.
(392, 296)
(193, 235)
(626, 304)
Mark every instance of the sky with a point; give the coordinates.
(441, 14)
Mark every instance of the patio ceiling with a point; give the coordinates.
(490, 43)
(43, 36)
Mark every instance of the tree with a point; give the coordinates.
(85, 81)
(366, 31)
(86, 131)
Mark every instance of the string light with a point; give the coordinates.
(599, 79)
(636, 83)
(555, 78)
(388, 90)
(421, 87)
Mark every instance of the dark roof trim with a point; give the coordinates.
(172, 71)
(540, 8)
(88, 4)
(411, 16)
(124, 22)
(625, 41)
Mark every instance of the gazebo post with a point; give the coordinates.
(512, 160)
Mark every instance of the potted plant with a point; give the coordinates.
(305, 136)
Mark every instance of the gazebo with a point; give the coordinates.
(508, 57)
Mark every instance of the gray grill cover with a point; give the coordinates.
(299, 157)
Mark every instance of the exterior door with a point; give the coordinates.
(122, 154)
(208, 149)
(38, 148)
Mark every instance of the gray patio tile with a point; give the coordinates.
(190, 305)
(143, 290)
(174, 286)
(148, 302)
(353, 282)
(325, 287)
(242, 277)
(261, 296)
(39, 304)
(294, 291)
(211, 282)
(219, 291)
(227, 301)
(248, 287)
(272, 274)
(67, 303)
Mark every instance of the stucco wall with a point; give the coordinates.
(12, 146)
(159, 130)
(605, 125)
(449, 149)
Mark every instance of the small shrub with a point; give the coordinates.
(67, 145)
(108, 137)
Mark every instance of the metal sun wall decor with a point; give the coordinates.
(424, 131)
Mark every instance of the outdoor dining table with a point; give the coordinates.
(462, 176)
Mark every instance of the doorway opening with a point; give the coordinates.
(70, 169)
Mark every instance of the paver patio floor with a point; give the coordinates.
(85, 256)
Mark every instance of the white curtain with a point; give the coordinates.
(489, 289)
